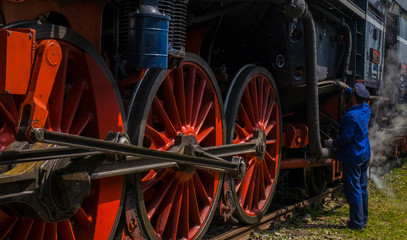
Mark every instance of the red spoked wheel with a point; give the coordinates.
(83, 101)
(174, 203)
(253, 103)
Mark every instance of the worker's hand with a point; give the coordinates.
(328, 143)
(342, 85)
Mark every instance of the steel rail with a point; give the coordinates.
(292, 210)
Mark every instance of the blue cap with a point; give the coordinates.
(361, 91)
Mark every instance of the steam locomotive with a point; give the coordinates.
(141, 119)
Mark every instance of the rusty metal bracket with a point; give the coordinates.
(228, 208)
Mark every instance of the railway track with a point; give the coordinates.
(280, 214)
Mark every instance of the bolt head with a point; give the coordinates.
(37, 134)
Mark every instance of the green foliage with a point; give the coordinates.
(387, 215)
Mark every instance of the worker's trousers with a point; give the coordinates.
(355, 188)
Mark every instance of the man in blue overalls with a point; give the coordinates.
(353, 150)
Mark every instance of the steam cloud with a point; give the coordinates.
(388, 123)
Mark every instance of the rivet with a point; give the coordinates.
(30, 36)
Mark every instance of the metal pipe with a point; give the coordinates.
(303, 163)
(312, 88)
(340, 22)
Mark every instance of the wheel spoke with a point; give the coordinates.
(253, 97)
(22, 230)
(271, 162)
(156, 177)
(260, 91)
(150, 175)
(210, 180)
(6, 128)
(71, 105)
(266, 173)
(184, 216)
(248, 106)
(261, 182)
(203, 115)
(257, 183)
(270, 127)
(51, 231)
(265, 101)
(159, 140)
(245, 119)
(269, 110)
(8, 110)
(65, 230)
(204, 133)
(82, 217)
(171, 232)
(199, 91)
(170, 103)
(80, 123)
(163, 117)
(193, 205)
(56, 98)
(200, 190)
(272, 141)
(158, 198)
(250, 192)
(165, 212)
(241, 134)
(38, 230)
(5, 115)
(245, 184)
(6, 225)
(189, 93)
(180, 93)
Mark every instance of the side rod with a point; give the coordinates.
(32, 155)
(92, 145)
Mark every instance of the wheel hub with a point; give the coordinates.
(261, 148)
